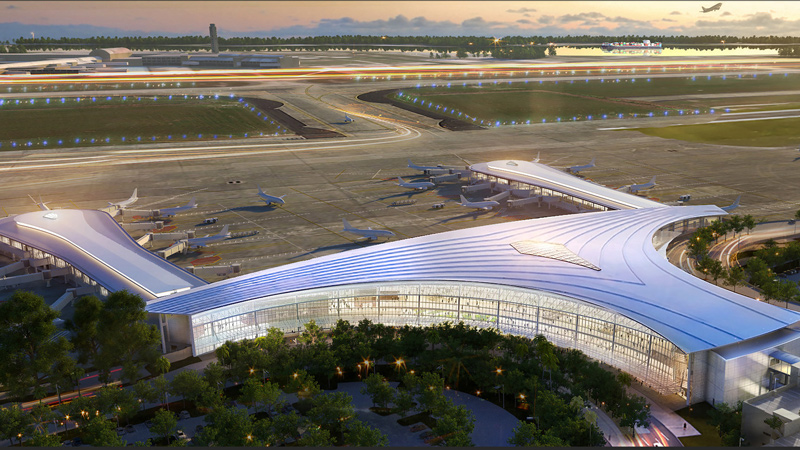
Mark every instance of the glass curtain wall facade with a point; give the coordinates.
(569, 323)
(534, 191)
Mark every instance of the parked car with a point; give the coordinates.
(67, 443)
(181, 435)
(130, 429)
(185, 414)
(77, 442)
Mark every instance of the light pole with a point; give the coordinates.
(499, 371)
(66, 419)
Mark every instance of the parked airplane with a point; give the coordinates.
(204, 241)
(712, 8)
(348, 119)
(732, 206)
(421, 185)
(169, 212)
(422, 168)
(634, 188)
(576, 169)
(270, 199)
(486, 204)
(42, 205)
(369, 233)
(125, 203)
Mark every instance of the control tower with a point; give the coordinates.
(212, 30)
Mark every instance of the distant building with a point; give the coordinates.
(221, 60)
(110, 54)
(212, 30)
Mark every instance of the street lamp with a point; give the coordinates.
(66, 419)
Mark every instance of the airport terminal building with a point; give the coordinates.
(595, 282)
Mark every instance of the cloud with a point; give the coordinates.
(668, 20)
(521, 10)
(11, 7)
(581, 17)
(675, 13)
(525, 21)
(726, 13)
(546, 19)
(526, 15)
(758, 24)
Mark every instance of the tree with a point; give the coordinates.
(162, 365)
(42, 439)
(311, 334)
(126, 339)
(455, 424)
(41, 417)
(378, 389)
(285, 426)
(461, 53)
(316, 437)
(775, 424)
(29, 353)
(83, 326)
(12, 420)
(528, 435)
(164, 423)
(161, 388)
(267, 395)
(403, 402)
(735, 277)
(145, 392)
(227, 427)
(359, 434)
(303, 384)
(551, 50)
(188, 385)
(748, 222)
(214, 374)
(101, 432)
(331, 410)
(634, 412)
(716, 270)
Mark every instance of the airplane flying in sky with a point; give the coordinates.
(421, 185)
(712, 8)
(125, 203)
(576, 169)
(169, 212)
(204, 241)
(42, 205)
(634, 188)
(486, 204)
(732, 206)
(270, 199)
(369, 233)
(422, 168)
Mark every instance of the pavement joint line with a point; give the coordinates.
(337, 176)
(174, 197)
(376, 174)
(349, 212)
(315, 223)
(265, 229)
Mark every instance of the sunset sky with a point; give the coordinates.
(308, 18)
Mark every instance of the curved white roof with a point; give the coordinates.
(547, 177)
(94, 243)
(633, 280)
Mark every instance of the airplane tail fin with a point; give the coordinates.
(192, 203)
(464, 200)
(592, 163)
(135, 195)
(259, 189)
(346, 224)
(410, 164)
(401, 180)
(224, 231)
(537, 157)
(653, 181)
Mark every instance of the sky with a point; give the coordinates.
(314, 18)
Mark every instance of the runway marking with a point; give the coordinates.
(174, 197)
(337, 176)
(376, 174)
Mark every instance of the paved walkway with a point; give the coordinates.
(663, 407)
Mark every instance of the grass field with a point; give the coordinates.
(697, 415)
(521, 101)
(134, 119)
(758, 133)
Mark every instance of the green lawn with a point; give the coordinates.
(697, 415)
(757, 133)
(116, 119)
(520, 101)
